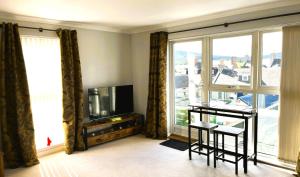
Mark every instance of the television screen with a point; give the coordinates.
(123, 99)
(110, 101)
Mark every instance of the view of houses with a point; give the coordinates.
(229, 70)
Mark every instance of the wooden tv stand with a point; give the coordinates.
(108, 129)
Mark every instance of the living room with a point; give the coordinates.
(96, 88)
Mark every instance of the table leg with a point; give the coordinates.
(246, 146)
(200, 115)
(215, 150)
(189, 116)
(200, 112)
(236, 155)
(217, 144)
(208, 148)
(255, 138)
(200, 142)
(223, 144)
(189, 134)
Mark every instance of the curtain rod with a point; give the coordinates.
(29, 27)
(40, 29)
(236, 22)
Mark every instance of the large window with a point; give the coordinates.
(240, 70)
(43, 67)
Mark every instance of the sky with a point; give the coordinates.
(236, 46)
(193, 46)
(272, 42)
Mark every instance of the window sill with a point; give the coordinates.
(50, 150)
(273, 161)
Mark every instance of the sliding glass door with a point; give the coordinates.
(187, 77)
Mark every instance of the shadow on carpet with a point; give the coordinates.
(175, 144)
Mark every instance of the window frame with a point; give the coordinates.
(230, 87)
(259, 86)
(174, 128)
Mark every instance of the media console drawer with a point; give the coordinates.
(98, 139)
(127, 125)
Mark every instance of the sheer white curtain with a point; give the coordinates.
(43, 67)
(289, 122)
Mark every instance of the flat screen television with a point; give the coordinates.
(110, 101)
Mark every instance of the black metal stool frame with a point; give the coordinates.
(200, 143)
(238, 156)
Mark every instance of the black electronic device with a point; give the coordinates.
(110, 101)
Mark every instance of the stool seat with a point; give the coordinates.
(229, 130)
(203, 125)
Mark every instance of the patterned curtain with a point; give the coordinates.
(17, 132)
(72, 90)
(156, 121)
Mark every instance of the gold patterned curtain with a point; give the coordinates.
(156, 118)
(72, 90)
(17, 132)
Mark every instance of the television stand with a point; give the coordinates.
(103, 130)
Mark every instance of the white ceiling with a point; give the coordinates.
(124, 14)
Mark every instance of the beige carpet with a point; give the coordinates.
(136, 156)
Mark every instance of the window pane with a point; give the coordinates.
(187, 72)
(43, 67)
(271, 58)
(231, 61)
(268, 114)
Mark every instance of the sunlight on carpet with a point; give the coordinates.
(53, 169)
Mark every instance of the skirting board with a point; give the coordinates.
(180, 138)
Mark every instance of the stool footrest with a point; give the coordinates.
(228, 152)
(203, 145)
(219, 157)
(202, 153)
(197, 150)
(226, 160)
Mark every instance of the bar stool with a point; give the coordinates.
(200, 126)
(230, 131)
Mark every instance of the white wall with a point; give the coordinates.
(105, 58)
(140, 44)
